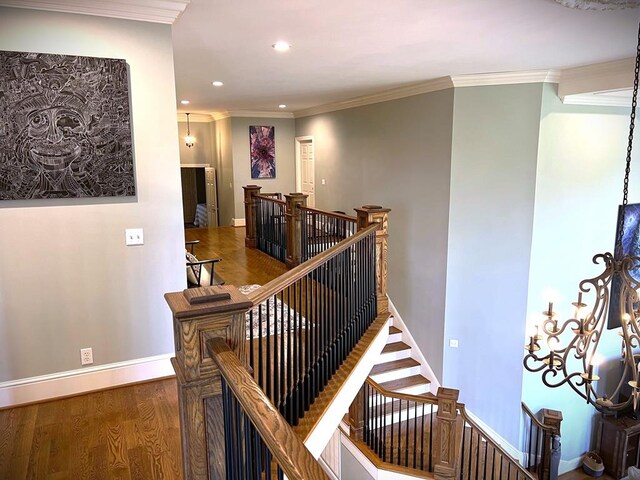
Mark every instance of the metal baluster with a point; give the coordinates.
(260, 383)
(536, 450)
(415, 431)
(294, 399)
(251, 359)
(276, 365)
(288, 408)
(269, 371)
(384, 428)
(422, 439)
(283, 362)
(399, 432)
(406, 442)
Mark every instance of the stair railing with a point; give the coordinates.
(321, 230)
(258, 443)
(482, 458)
(540, 437)
(271, 226)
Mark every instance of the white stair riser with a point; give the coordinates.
(397, 418)
(394, 337)
(415, 389)
(396, 374)
(391, 356)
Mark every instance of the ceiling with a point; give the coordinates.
(349, 48)
(346, 49)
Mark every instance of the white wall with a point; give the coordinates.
(580, 170)
(285, 181)
(493, 169)
(67, 280)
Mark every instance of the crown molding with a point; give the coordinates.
(599, 77)
(196, 117)
(593, 99)
(434, 85)
(259, 114)
(506, 78)
(442, 83)
(156, 11)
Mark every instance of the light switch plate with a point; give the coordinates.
(134, 236)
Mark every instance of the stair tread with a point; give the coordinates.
(405, 382)
(395, 347)
(393, 330)
(394, 365)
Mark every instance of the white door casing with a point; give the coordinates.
(305, 168)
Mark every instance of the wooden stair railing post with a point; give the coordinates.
(552, 418)
(356, 415)
(367, 215)
(294, 228)
(198, 378)
(250, 214)
(445, 438)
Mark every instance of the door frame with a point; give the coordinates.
(299, 140)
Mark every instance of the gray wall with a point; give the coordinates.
(396, 154)
(67, 280)
(493, 168)
(581, 159)
(203, 151)
(224, 155)
(285, 181)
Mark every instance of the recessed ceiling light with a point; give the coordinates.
(282, 105)
(184, 102)
(281, 46)
(217, 83)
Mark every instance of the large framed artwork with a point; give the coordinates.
(262, 147)
(65, 127)
(630, 246)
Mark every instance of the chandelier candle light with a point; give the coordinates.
(588, 326)
(189, 140)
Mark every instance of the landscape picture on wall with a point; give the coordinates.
(262, 143)
(65, 127)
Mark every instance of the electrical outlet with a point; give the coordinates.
(86, 356)
(134, 236)
(453, 343)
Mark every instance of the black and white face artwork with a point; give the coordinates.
(65, 127)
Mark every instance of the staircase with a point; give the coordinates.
(397, 370)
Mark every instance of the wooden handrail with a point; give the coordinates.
(290, 453)
(544, 426)
(342, 216)
(288, 278)
(496, 446)
(427, 398)
(271, 199)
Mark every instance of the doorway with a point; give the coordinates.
(199, 196)
(305, 168)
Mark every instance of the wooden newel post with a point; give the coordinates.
(553, 418)
(445, 441)
(367, 215)
(199, 389)
(294, 228)
(250, 214)
(356, 415)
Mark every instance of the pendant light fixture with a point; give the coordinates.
(572, 363)
(189, 140)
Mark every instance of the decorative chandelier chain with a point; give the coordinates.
(627, 171)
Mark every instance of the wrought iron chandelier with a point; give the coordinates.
(189, 139)
(587, 325)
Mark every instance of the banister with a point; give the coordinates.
(290, 453)
(342, 216)
(283, 281)
(269, 198)
(543, 426)
(496, 446)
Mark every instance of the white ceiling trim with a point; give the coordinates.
(156, 11)
(259, 114)
(505, 78)
(596, 100)
(196, 117)
(485, 79)
(425, 87)
(598, 77)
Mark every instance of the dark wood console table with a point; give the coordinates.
(618, 444)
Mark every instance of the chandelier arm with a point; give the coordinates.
(535, 359)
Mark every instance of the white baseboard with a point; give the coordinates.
(74, 382)
(238, 222)
(568, 465)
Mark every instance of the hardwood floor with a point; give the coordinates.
(131, 432)
(124, 433)
(240, 265)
